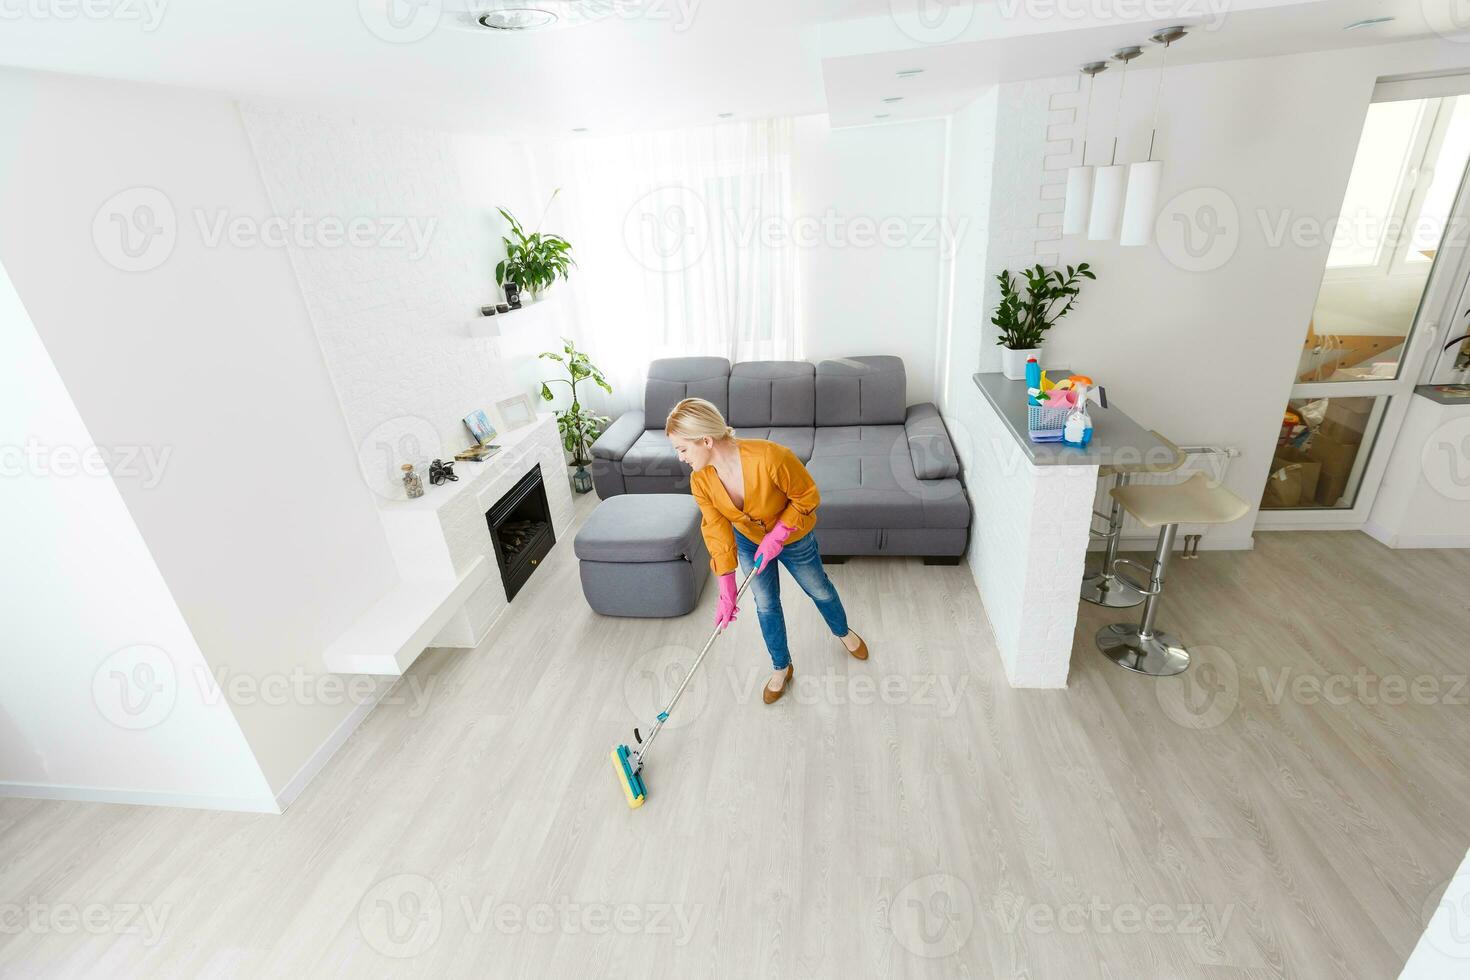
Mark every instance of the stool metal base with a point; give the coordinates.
(1108, 590)
(1158, 655)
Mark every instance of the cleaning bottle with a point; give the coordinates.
(1033, 381)
(1078, 430)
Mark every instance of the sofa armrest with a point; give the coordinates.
(619, 437)
(929, 445)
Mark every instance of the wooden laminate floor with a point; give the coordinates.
(910, 816)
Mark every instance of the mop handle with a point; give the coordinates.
(663, 715)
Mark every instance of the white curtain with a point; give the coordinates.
(681, 242)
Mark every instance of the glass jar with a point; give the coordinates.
(412, 485)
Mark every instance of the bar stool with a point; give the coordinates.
(1103, 588)
(1138, 646)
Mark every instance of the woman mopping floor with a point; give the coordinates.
(760, 489)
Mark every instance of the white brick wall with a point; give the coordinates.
(392, 323)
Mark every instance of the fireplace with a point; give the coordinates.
(520, 527)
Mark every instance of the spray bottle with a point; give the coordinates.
(1078, 430)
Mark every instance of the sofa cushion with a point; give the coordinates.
(882, 492)
(781, 393)
(653, 455)
(798, 439)
(640, 527)
(861, 391)
(859, 440)
(672, 379)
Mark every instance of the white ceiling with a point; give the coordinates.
(651, 63)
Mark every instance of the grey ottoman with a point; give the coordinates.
(642, 555)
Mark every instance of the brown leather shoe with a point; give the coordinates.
(770, 696)
(861, 653)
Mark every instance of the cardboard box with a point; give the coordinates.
(1330, 487)
(1292, 481)
(1338, 432)
(1349, 414)
(1335, 456)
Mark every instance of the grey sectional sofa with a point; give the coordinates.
(888, 472)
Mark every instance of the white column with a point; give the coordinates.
(1030, 524)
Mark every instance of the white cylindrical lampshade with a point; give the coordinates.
(1079, 200)
(1142, 204)
(1107, 202)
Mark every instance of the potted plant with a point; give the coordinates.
(579, 426)
(1023, 320)
(533, 261)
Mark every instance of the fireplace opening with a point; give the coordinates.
(520, 527)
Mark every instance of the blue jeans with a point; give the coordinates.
(803, 562)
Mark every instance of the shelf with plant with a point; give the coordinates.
(533, 260)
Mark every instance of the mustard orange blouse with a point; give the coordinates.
(777, 488)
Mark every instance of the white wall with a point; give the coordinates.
(392, 319)
(102, 695)
(1424, 501)
(1202, 348)
(263, 528)
(856, 294)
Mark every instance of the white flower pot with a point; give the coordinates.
(1013, 362)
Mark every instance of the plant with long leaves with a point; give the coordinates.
(535, 260)
(579, 426)
(1024, 319)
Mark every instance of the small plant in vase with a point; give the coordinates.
(579, 426)
(1024, 318)
(534, 260)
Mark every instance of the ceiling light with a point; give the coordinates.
(909, 72)
(579, 129)
(881, 115)
(1368, 22)
(727, 115)
(518, 19)
(893, 98)
(1079, 178)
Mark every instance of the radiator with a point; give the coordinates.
(1212, 461)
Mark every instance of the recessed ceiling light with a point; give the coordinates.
(909, 72)
(579, 129)
(893, 98)
(881, 115)
(518, 19)
(727, 115)
(1368, 22)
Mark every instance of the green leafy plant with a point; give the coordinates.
(579, 426)
(536, 260)
(1024, 319)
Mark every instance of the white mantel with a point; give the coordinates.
(451, 593)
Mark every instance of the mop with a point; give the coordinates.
(628, 764)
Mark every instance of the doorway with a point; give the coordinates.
(1394, 267)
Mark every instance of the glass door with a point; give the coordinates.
(1393, 270)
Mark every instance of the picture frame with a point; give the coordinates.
(516, 412)
(479, 425)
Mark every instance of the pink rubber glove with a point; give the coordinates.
(772, 544)
(726, 610)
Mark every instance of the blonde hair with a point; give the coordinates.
(695, 418)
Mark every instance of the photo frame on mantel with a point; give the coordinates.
(516, 412)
